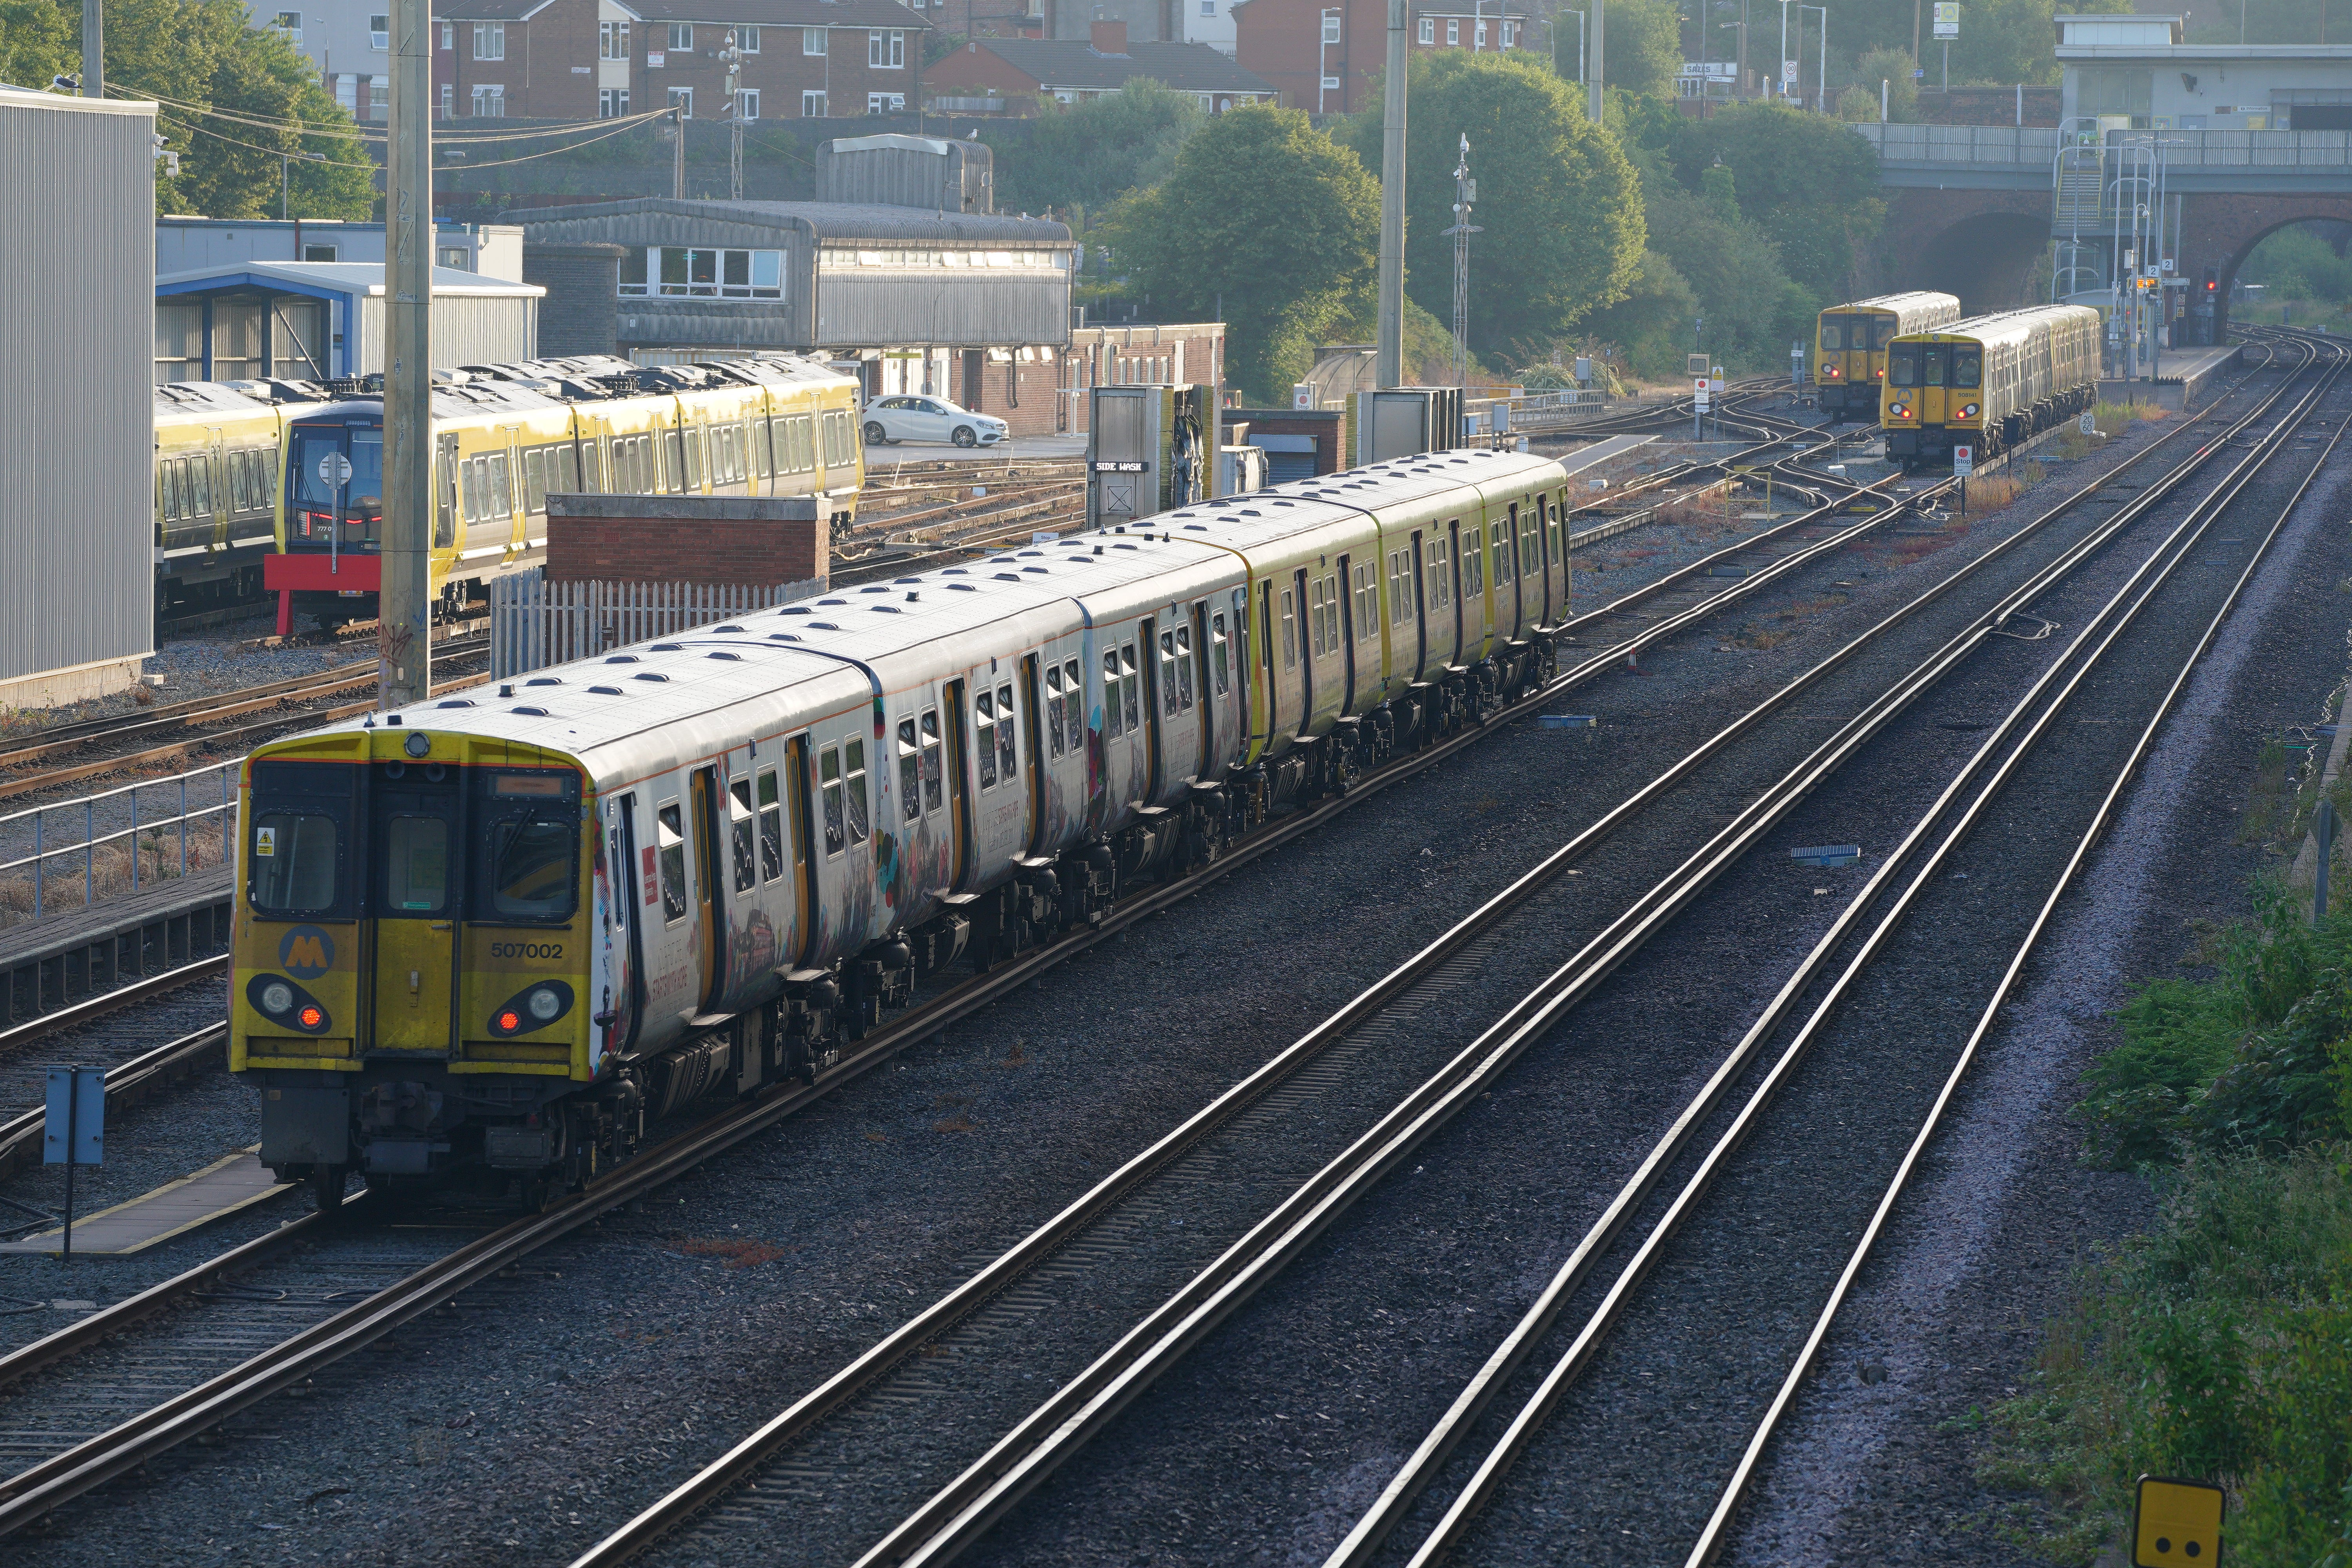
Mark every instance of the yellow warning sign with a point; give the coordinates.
(2177, 1524)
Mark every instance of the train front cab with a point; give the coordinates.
(1850, 359)
(1934, 398)
(411, 976)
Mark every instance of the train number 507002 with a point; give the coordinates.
(526, 950)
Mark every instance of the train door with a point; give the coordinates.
(1294, 634)
(710, 908)
(215, 461)
(627, 916)
(1155, 723)
(1034, 699)
(1507, 569)
(1460, 583)
(1197, 662)
(1933, 359)
(959, 802)
(446, 512)
(1350, 589)
(415, 821)
(795, 805)
(1419, 590)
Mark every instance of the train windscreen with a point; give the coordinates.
(1833, 334)
(334, 464)
(1903, 366)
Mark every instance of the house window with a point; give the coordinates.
(379, 97)
(380, 31)
(290, 24)
(1453, 34)
(321, 252)
(812, 106)
(1509, 35)
(812, 43)
(449, 99)
(1481, 36)
(681, 35)
(448, 35)
(679, 270)
(748, 39)
(1429, 29)
(682, 100)
(1208, 7)
(489, 40)
(1331, 29)
(747, 103)
(347, 92)
(885, 102)
(611, 40)
(612, 102)
(490, 100)
(886, 51)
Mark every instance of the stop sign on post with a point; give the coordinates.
(1964, 461)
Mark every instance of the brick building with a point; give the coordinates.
(585, 60)
(1326, 56)
(1071, 72)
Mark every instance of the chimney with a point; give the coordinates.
(1109, 37)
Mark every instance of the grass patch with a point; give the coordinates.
(1994, 491)
(2270, 793)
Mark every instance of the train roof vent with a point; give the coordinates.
(1123, 545)
(649, 675)
(782, 637)
(833, 601)
(953, 572)
(965, 587)
(1196, 527)
(823, 626)
(1026, 554)
(795, 610)
(624, 659)
(722, 653)
(544, 680)
(1251, 511)
(669, 648)
(530, 713)
(903, 582)
(884, 609)
(458, 702)
(730, 627)
(875, 588)
(1038, 569)
(1008, 576)
(606, 691)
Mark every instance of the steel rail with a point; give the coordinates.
(125, 1084)
(1716, 1531)
(74, 1014)
(2105, 625)
(969, 1504)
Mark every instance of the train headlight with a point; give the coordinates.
(545, 1004)
(1970, 412)
(1899, 411)
(278, 997)
(542, 1005)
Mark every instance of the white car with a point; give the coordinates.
(908, 417)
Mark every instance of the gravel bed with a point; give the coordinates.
(220, 658)
(710, 1307)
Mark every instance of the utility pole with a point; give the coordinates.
(1465, 194)
(1388, 361)
(1592, 95)
(677, 153)
(1914, 32)
(734, 55)
(94, 49)
(404, 599)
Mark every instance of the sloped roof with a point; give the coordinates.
(1073, 63)
(782, 12)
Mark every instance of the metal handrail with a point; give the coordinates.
(86, 846)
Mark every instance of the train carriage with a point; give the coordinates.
(1990, 383)
(217, 457)
(492, 933)
(1851, 341)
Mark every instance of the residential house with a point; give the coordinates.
(1071, 72)
(1326, 56)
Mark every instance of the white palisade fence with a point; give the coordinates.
(535, 623)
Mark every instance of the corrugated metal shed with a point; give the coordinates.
(853, 276)
(476, 320)
(76, 416)
(927, 172)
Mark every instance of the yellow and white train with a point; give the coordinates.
(1989, 382)
(1850, 344)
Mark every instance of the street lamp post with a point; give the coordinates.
(1821, 81)
(1572, 11)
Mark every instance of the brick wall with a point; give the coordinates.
(781, 72)
(1126, 356)
(538, 72)
(759, 541)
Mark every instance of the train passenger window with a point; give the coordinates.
(1498, 538)
(200, 487)
(1903, 366)
(167, 487)
(1167, 702)
(563, 466)
(1131, 694)
(1531, 538)
(471, 485)
(533, 862)
(1400, 566)
(237, 488)
(1968, 368)
(1931, 366)
(670, 835)
(1833, 339)
(502, 492)
(592, 469)
(1289, 632)
(1184, 669)
(534, 480)
(415, 866)
(772, 828)
(741, 822)
(1474, 565)
(910, 772)
(1073, 716)
(1315, 617)
(1555, 514)
(665, 452)
(1112, 728)
(694, 459)
(934, 771)
(852, 763)
(828, 777)
(1008, 756)
(290, 866)
(1054, 706)
(1219, 675)
(762, 448)
(985, 732)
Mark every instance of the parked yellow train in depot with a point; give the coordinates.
(1989, 382)
(1850, 343)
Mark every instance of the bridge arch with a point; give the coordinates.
(1980, 245)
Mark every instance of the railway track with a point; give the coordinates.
(752, 1487)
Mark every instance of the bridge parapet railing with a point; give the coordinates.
(2038, 145)
(1980, 144)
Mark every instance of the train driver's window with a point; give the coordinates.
(934, 770)
(910, 772)
(669, 830)
(828, 778)
(1968, 368)
(1130, 696)
(1903, 366)
(772, 828)
(1008, 759)
(1112, 728)
(1887, 328)
(291, 863)
(1833, 339)
(853, 763)
(741, 823)
(1055, 706)
(1073, 718)
(1220, 655)
(1184, 669)
(983, 708)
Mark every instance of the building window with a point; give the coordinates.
(321, 252)
(813, 42)
(885, 102)
(812, 106)
(1453, 34)
(290, 24)
(449, 99)
(747, 103)
(490, 100)
(886, 51)
(379, 97)
(380, 31)
(489, 40)
(681, 35)
(1332, 83)
(347, 92)
(1509, 35)
(1429, 29)
(682, 100)
(453, 256)
(678, 271)
(1481, 36)
(1208, 7)
(448, 35)
(611, 40)
(612, 102)
(1331, 29)
(748, 39)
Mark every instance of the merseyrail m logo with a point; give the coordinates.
(306, 953)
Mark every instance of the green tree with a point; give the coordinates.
(1268, 212)
(1092, 154)
(1734, 270)
(1644, 40)
(1653, 323)
(1809, 183)
(37, 41)
(1892, 67)
(1560, 204)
